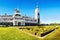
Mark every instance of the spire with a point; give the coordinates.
(37, 5)
(37, 8)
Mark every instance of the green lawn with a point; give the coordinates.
(39, 29)
(14, 34)
(55, 35)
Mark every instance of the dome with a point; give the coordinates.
(17, 12)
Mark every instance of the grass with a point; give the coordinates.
(55, 35)
(14, 34)
(39, 29)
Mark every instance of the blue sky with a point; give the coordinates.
(49, 9)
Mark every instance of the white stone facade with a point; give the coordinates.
(18, 19)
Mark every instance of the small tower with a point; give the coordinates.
(37, 15)
(17, 12)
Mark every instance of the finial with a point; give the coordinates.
(16, 9)
(37, 5)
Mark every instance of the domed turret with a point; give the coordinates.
(17, 12)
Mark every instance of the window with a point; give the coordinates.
(17, 15)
